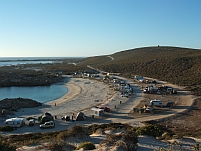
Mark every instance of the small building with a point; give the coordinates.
(97, 111)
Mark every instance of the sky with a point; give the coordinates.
(84, 28)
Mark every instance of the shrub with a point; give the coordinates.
(127, 141)
(130, 140)
(6, 147)
(6, 128)
(72, 131)
(55, 145)
(151, 130)
(86, 145)
(113, 137)
(165, 136)
(77, 130)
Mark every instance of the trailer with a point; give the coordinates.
(15, 122)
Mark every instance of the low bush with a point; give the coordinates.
(56, 145)
(6, 147)
(86, 146)
(72, 131)
(127, 141)
(113, 137)
(93, 128)
(151, 130)
(6, 128)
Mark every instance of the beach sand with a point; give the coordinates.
(82, 94)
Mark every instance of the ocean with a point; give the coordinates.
(8, 61)
(41, 94)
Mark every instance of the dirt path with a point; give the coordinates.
(122, 111)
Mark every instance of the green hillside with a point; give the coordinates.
(181, 66)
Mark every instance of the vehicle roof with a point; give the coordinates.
(97, 109)
(15, 119)
(155, 100)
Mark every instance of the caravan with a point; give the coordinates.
(156, 103)
(15, 122)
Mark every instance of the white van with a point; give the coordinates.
(156, 103)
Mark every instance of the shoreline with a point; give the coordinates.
(73, 91)
(82, 94)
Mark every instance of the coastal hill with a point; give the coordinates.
(180, 66)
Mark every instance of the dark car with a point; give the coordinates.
(169, 104)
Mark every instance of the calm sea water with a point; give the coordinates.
(41, 94)
(6, 61)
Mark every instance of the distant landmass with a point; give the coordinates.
(180, 66)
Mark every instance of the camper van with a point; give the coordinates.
(156, 103)
(15, 122)
(137, 77)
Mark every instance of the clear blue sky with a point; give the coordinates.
(68, 28)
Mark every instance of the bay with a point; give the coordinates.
(14, 63)
(41, 94)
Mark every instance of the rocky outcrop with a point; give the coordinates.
(20, 77)
(8, 106)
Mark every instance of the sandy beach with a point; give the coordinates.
(82, 95)
(85, 93)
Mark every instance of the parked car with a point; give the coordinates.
(156, 103)
(125, 95)
(149, 109)
(106, 109)
(169, 104)
(31, 122)
(49, 124)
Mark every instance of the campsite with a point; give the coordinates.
(106, 111)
